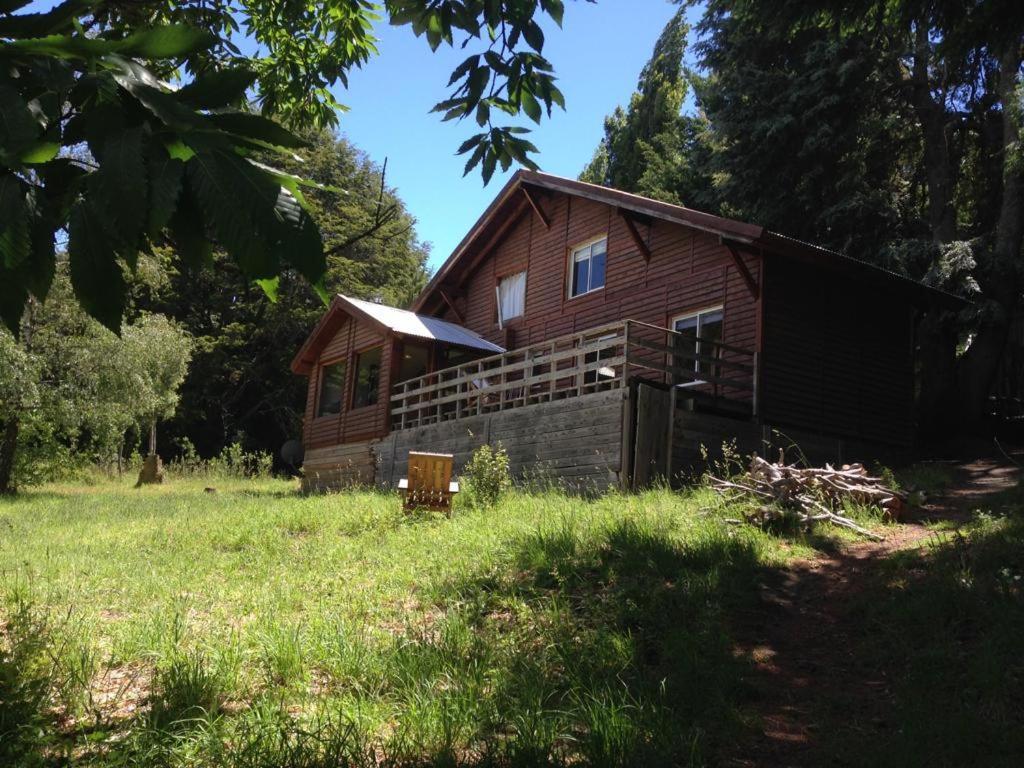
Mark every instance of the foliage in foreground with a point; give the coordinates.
(97, 143)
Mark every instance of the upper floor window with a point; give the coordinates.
(332, 384)
(367, 378)
(699, 333)
(511, 297)
(587, 268)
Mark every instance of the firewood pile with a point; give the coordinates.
(808, 495)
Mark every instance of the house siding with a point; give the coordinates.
(837, 356)
(351, 424)
(688, 270)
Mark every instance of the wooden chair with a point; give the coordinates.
(430, 483)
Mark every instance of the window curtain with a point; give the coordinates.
(512, 296)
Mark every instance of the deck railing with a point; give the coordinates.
(598, 359)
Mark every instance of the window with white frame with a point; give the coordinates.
(511, 295)
(696, 334)
(586, 267)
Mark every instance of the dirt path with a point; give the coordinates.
(804, 678)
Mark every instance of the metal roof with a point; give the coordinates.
(410, 324)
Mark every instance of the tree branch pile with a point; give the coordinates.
(786, 492)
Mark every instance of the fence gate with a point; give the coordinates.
(652, 443)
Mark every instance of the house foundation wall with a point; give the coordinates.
(578, 445)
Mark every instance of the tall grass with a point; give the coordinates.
(257, 627)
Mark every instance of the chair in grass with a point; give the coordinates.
(430, 484)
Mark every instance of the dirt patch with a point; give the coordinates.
(798, 641)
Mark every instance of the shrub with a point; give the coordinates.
(487, 475)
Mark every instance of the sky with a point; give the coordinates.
(597, 55)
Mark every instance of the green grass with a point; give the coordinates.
(257, 627)
(254, 621)
(949, 622)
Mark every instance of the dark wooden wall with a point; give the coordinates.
(837, 355)
(688, 270)
(350, 425)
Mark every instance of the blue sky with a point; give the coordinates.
(597, 55)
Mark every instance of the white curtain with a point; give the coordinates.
(512, 296)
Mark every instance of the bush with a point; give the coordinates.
(487, 475)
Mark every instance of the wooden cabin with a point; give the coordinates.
(603, 337)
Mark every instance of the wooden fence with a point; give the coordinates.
(595, 360)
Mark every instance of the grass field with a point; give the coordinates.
(257, 627)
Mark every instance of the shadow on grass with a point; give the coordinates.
(616, 650)
(949, 625)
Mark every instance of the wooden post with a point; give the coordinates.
(625, 353)
(757, 387)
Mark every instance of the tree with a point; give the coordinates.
(97, 144)
(650, 148)
(240, 387)
(71, 388)
(900, 125)
(153, 354)
(888, 131)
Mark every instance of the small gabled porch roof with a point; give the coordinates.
(389, 321)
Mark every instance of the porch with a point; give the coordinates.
(707, 375)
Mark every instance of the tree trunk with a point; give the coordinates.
(8, 445)
(1000, 280)
(938, 397)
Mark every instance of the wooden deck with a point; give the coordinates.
(600, 359)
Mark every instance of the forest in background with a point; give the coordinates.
(888, 131)
(77, 384)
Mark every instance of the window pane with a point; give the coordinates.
(414, 362)
(512, 295)
(332, 382)
(710, 330)
(580, 277)
(599, 247)
(686, 344)
(597, 271)
(367, 378)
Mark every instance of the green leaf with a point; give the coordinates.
(217, 89)
(490, 161)
(256, 127)
(188, 232)
(534, 35)
(41, 24)
(478, 153)
(14, 224)
(40, 152)
(166, 42)
(179, 150)
(39, 269)
(9, 6)
(555, 9)
(297, 238)
(120, 187)
(238, 200)
(13, 295)
(18, 128)
(530, 105)
(96, 275)
(165, 176)
(270, 286)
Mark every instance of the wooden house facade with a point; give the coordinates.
(601, 335)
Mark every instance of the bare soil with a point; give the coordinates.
(804, 680)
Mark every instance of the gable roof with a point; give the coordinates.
(738, 233)
(388, 320)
